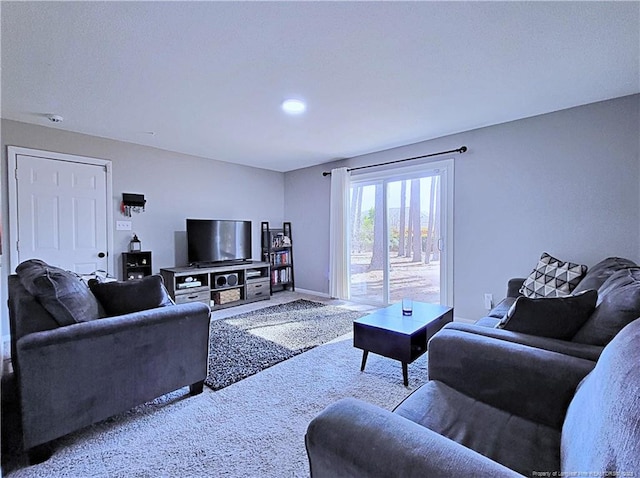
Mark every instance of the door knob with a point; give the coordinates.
(101, 255)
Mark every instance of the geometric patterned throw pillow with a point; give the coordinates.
(552, 278)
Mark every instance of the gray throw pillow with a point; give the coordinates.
(618, 305)
(553, 317)
(62, 293)
(126, 297)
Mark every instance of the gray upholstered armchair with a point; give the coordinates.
(494, 408)
(70, 376)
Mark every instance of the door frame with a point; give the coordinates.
(446, 168)
(11, 243)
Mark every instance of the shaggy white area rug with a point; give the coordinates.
(253, 428)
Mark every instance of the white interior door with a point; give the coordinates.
(61, 213)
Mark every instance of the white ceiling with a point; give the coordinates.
(208, 77)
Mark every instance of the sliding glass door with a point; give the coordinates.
(399, 227)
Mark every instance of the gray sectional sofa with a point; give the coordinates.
(493, 408)
(506, 403)
(79, 360)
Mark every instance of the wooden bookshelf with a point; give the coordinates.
(277, 250)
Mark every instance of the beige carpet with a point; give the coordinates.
(253, 428)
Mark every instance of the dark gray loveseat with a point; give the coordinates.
(83, 366)
(494, 408)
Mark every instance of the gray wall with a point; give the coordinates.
(566, 183)
(175, 185)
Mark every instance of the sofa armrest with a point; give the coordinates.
(574, 349)
(76, 375)
(514, 285)
(351, 438)
(532, 383)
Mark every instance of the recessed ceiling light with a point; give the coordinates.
(294, 107)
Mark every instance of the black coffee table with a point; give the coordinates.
(400, 337)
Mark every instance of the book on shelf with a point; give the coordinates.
(281, 275)
(279, 258)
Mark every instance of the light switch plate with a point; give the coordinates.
(123, 225)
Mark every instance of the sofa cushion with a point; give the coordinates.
(618, 305)
(491, 322)
(552, 278)
(126, 297)
(26, 314)
(522, 445)
(62, 293)
(598, 274)
(553, 317)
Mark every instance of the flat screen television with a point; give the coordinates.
(217, 240)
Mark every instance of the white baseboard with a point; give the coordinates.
(313, 292)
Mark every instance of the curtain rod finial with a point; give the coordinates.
(463, 149)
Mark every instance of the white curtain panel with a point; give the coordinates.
(339, 234)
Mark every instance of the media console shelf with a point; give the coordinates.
(219, 286)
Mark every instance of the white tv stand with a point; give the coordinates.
(219, 285)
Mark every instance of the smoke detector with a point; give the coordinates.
(55, 118)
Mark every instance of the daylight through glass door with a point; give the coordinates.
(396, 239)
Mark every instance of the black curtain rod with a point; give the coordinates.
(461, 149)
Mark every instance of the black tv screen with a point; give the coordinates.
(216, 240)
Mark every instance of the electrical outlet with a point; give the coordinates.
(123, 225)
(488, 301)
